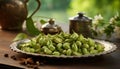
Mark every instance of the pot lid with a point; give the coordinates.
(50, 24)
(81, 17)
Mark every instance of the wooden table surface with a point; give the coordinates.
(108, 61)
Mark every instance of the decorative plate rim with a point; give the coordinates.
(14, 48)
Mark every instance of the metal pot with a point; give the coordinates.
(81, 25)
(13, 13)
(51, 27)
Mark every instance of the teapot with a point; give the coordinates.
(51, 27)
(81, 24)
(13, 13)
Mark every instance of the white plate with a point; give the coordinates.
(109, 48)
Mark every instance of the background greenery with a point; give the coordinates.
(61, 10)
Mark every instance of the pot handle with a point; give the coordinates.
(39, 4)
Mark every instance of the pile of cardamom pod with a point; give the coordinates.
(62, 44)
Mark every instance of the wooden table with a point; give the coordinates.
(108, 61)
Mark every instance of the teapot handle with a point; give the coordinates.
(39, 4)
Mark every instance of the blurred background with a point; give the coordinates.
(61, 10)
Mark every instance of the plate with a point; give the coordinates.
(109, 48)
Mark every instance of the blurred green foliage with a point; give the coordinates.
(107, 8)
(50, 4)
(63, 9)
(50, 8)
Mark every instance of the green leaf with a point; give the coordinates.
(109, 30)
(20, 36)
(102, 24)
(31, 28)
(118, 23)
(43, 21)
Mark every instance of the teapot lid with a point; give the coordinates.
(51, 21)
(81, 17)
(50, 24)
